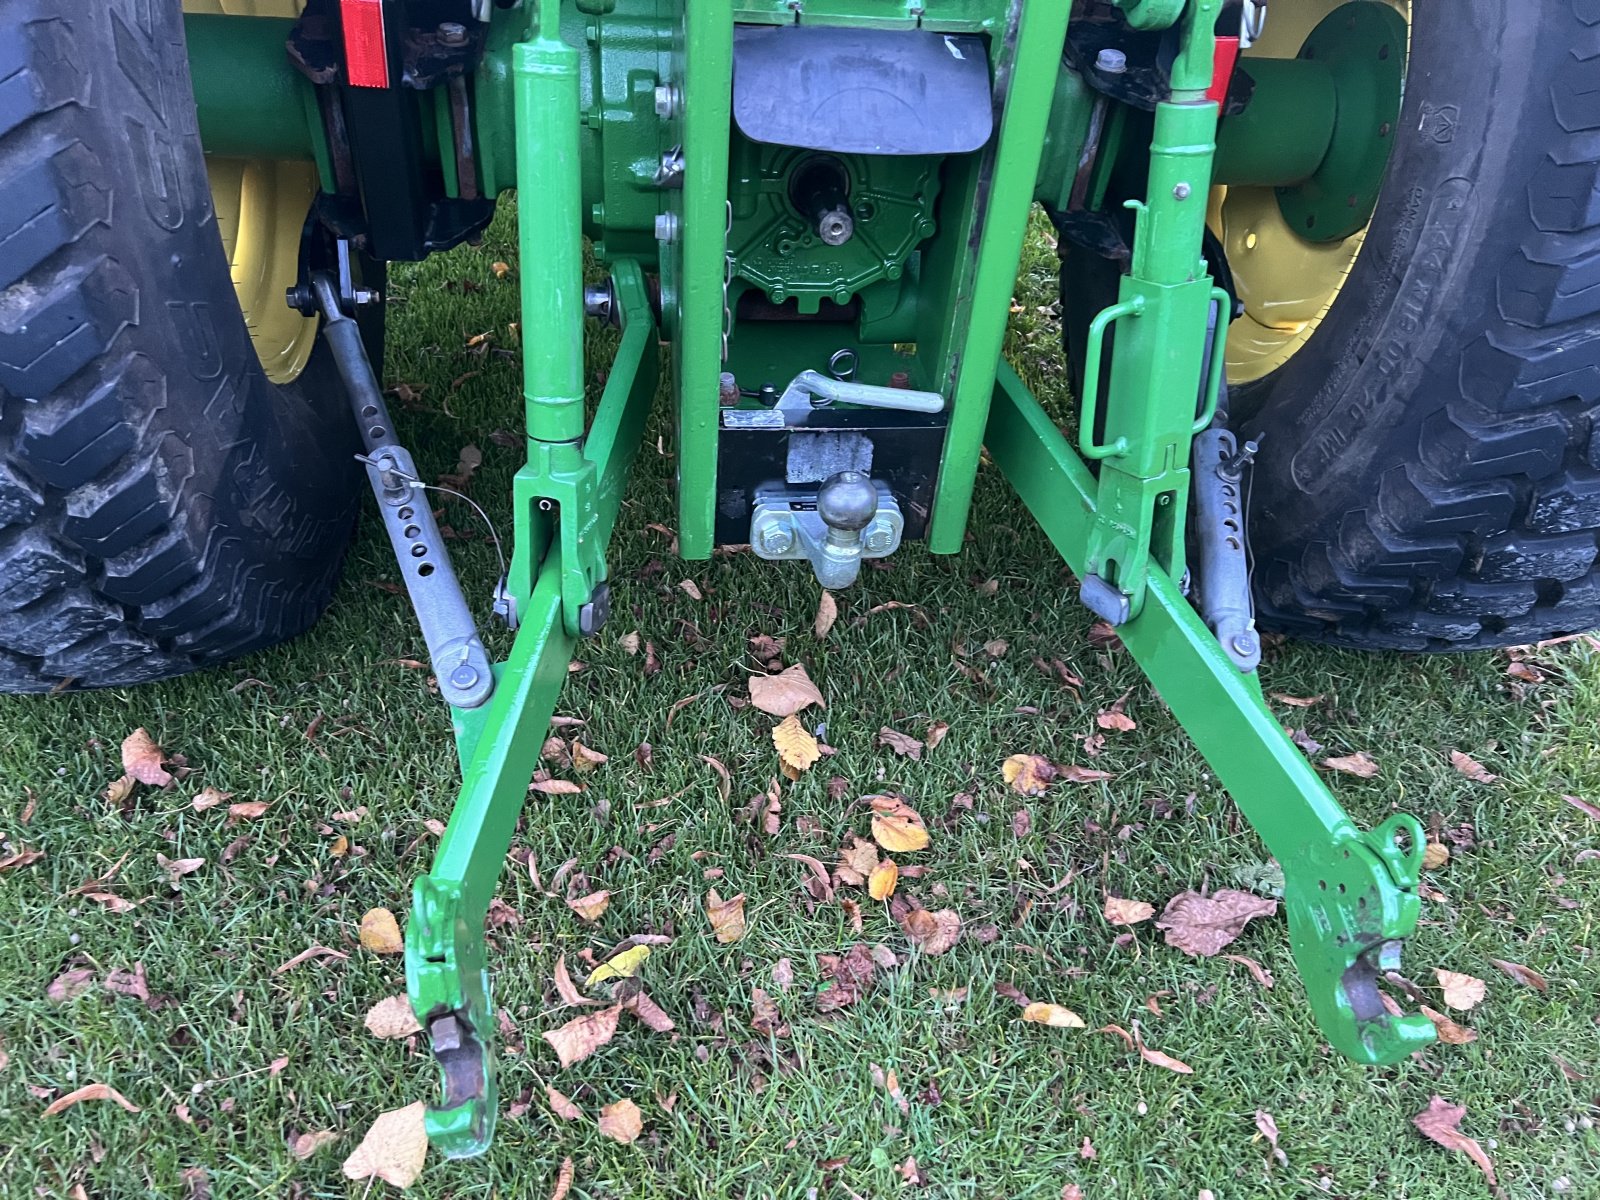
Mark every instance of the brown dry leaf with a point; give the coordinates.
(1449, 1032)
(1261, 974)
(857, 861)
(564, 1179)
(142, 759)
(582, 1036)
(567, 990)
(691, 589)
(1116, 719)
(91, 1091)
(120, 789)
(896, 826)
(1360, 763)
(765, 1018)
(248, 810)
(22, 858)
(797, 749)
(1297, 701)
(881, 883)
(935, 734)
(1522, 974)
(1054, 1015)
(1583, 806)
(1440, 1122)
(561, 1105)
(1203, 925)
(554, 787)
(591, 907)
(901, 743)
(1461, 992)
(585, 759)
(1157, 1058)
(392, 1018)
(1128, 912)
(307, 955)
(500, 269)
(785, 693)
(1471, 767)
(69, 985)
(380, 932)
(1434, 856)
(1073, 773)
(1267, 1127)
(177, 868)
(1028, 774)
(783, 974)
(394, 1149)
(112, 902)
(649, 1013)
(827, 614)
(932, 932)
(726, 916)
(209, 798)
(621, 1121)
(306, 1144)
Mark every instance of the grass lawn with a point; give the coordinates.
(229, 1060)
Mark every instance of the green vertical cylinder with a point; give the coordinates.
(1284, 133)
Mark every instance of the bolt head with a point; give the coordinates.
(1181, 191)
(666, 227)
(879, 538)
(666, 101)
(1111, 61)
(453, 33)
(777, 540)
(464, 676)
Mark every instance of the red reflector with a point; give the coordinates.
(365, 55)
(1222, 63)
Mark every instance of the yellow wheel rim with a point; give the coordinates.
(261, 207)
(1286, 284)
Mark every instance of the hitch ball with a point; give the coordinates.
(819, 188)
(847, 502)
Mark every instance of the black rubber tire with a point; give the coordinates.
(163, 505)
(1430, 471)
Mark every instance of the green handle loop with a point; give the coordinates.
(1404, 865)
(1132, 307)
(1219, 343)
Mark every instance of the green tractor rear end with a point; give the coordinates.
(1328, 280)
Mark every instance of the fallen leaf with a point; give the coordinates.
(1583, 806)
(248, 810)
(305, 1145)
(1203, 925)
(827, 614)
(209, 798)
(591, 907)
(563, 1179)
(582, 1036)
(562, 1106)
(783, 974)
(857, 861)
(1268, 1128)
(936, 733)
(22, 858)
(307, 955)
(1073, 773)
(566, 989)
(555, 787)
(797, 749)
(1461, 992)
(142, 759)
(724, 780)
(1440, 1122)
(1261, 974)
(621, 1121)
(765, 1018)
(1360, 763)
(69, 985)
(1118, 1031)
(880, 884)
(932, 932)
(1157, 1058)
(850, 975)
(784, 694)
(1054, 1015)
(1449, 1032)
(392, 1018)
(1474, 770)
(649, 1013)
(90, 1091)
(896, 826)
(394, 1149)
(910, 1174)
(584, 759)
(1522, 974)
(120, 789)
(620, 966)
(1128, 912)
(901, 743)
(691, 589)
(1028, 774)
(130, 983)
(1116, 720)
(500, 269)
(177, 868)
(726, 916)
(1434, 856)
(1297, 701)
(380, 932)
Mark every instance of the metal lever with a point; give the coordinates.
(460, 662)
(812, 389)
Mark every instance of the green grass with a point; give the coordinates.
(752, 1117)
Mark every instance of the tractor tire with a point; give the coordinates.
(163, 505)
(1429, 476)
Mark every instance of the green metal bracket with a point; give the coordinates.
(1351, 896)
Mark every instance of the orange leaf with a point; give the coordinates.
(582, 1036)
(591, 907)
(726, 916)
(1522, 974)
(380, 932)
(1127, 912)
(881, 883)
(90, 1091)
(896, 826)
(622, 1122)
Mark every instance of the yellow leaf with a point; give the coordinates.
(1053, 1015)
(726, 916)
(621, 1121)
(380, 932)
(1127, 912)
(797, 749)
(500, 269)
(896, 826)
(392, 1018)
(880, 884)
(1028, 774)
(1461, 992)
(394, 1149)
(623, 966)
(585, 759)
(1435, 855)
(591, 907)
